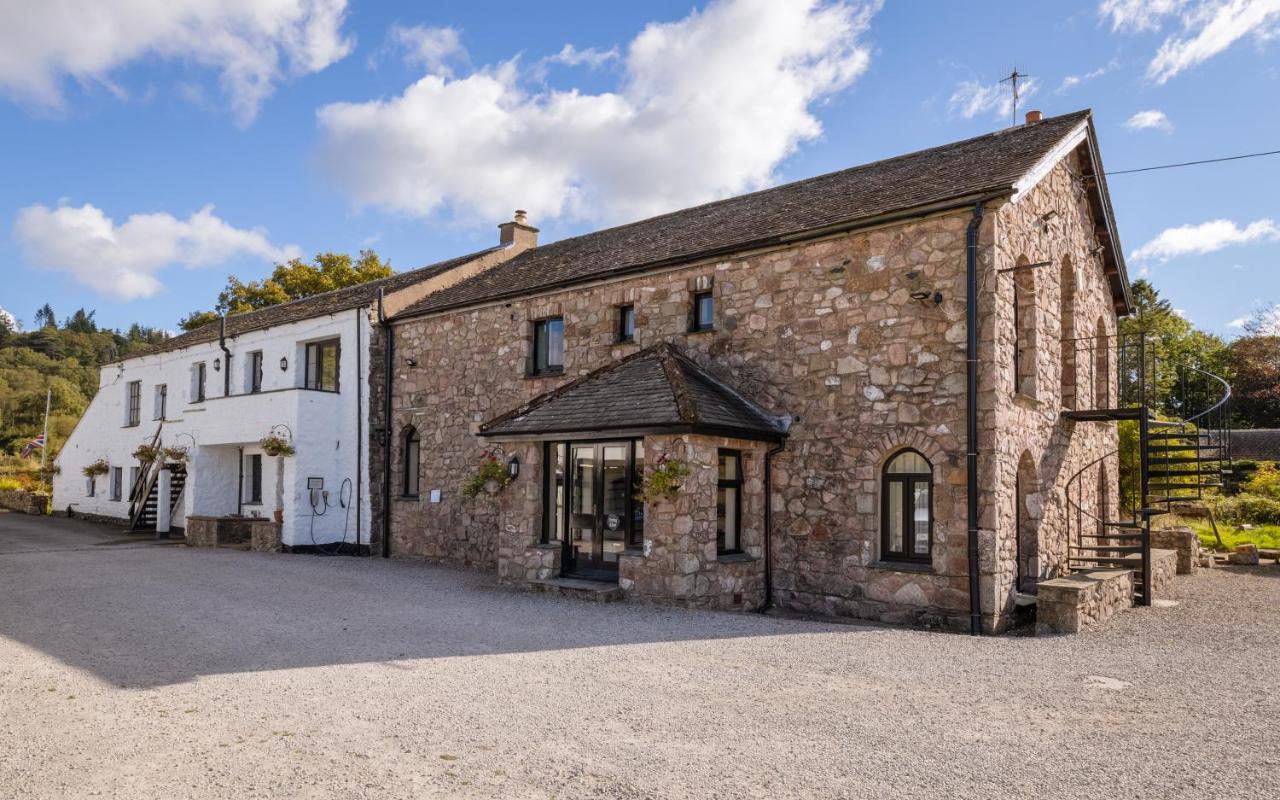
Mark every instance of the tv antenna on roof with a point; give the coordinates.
(1013, 79)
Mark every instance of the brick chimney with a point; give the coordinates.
(1034, 116)
(518, 233)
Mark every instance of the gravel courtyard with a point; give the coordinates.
(138, 671)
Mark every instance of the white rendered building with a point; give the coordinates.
(301, 371)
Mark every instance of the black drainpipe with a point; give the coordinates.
(971, 414)
(226, 360)
(388, 347)
(359, 424)
(768, 524)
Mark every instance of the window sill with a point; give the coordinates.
(903, 566)
(131, 425)
(549, 373)
(317, 389)
(408, 498)
(547, 546)
(695, 331)
(735, 558)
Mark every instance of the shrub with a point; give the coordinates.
(10, 485)
(1265, 481)
(1245, 508)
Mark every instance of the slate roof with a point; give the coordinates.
(1258, 444)
(655, 390)
(980, 166)
(316, 305)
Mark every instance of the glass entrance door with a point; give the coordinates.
(601, 512)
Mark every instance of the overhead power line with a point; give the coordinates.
(1193, 163)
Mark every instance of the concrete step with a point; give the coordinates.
(580, 588)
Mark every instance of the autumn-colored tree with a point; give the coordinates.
(292, 281)
(1255, 380)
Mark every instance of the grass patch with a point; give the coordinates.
(1266, 537)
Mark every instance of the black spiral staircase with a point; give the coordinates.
(1180, 417)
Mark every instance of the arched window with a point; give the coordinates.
(1066, 314)
(1024, 328)
(1101, 366)
(906, 508)
(412, 453)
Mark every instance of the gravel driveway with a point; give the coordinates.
(167, 672)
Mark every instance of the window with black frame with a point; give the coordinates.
(254, 478)
(729, 503)
(255, 372)
(906, 513)
(133, 412)
(626, 323)
(412, 456)
(548, 346)
(703, 313)
(322, 366)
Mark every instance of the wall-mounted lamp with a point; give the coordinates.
(217, 365)
(936, 297)
(284, 363)
(1046, 218)
(413, 362)
(513, 467)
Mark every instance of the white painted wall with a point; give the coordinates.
(325, 428)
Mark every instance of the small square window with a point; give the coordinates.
(548, 346)
(626, 323)
(704, 312)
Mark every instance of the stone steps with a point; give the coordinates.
(580, 589)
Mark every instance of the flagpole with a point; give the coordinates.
(44, 451)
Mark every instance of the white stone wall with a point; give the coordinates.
(330, 432)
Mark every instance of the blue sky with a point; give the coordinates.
(150, 154)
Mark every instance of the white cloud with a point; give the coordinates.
(1151, 119)
(9, 321)
(1072, 81)
(1207, 237)
(1208, 28)
(972, 98)
(431, 48)
(1264, 321)
(253, 44)
(1139, 15)
(590, 56)
(706, 107)
(122, 261)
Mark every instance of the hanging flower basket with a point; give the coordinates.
(146, 453)
(664, 480)
(174, 455)
(491, 477)
(96, 468)
(274, 444)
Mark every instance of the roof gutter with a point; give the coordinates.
(913, 212)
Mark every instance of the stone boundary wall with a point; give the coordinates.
(1184, 542)
(24, 501)
(1084, 601)
(1164, 565)
(262, 535)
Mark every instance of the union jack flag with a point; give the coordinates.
(33, 445)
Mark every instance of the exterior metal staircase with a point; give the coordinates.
(1175, 461)
(144, 495)
(145, 520)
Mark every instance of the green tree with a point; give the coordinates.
(45, 318)
(1178, 346)
(1255, 380)
(81, 322)
(197, 319)
(292, 281)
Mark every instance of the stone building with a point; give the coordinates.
(794, 360)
